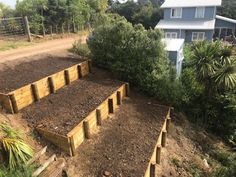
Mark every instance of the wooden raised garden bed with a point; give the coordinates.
(125, 145)
(18, 99)
(72, 140)
(161, 143)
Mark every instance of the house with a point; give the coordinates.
(192, 20)
(189, 19)
(224, 27)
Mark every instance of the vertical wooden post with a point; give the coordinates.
(14, 104)
(68, 28)
(35, 92)
(168, 121)
(118, 98)
(171, 112)
(67, 77)
(110, 105)
(43, 29)
(79, 71)
(127, 89)
(27, 28)
(51, 30)
(73, 24)
(72, 147)
(158, 154)
(56, 30)
(90, 66)
(51, 85)
(99, 117)
(163, 138)
(62, 29)
(87, 133)
(152, 170)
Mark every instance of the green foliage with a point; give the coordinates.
(80, 49)
(5, 11)
(147, 13)
(71, 13)
(23, 171)
(135, 55)
(228, 9)
(13, 147)
(209, 81)
(228, 161)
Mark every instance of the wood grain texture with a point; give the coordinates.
(155, 156)
(58, 140)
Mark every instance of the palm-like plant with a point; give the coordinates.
(13, 147)
(225, 75)
(214, 66)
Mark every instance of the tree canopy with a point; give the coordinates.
(228, 9)
(146, 12)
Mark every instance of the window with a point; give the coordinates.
(198, 36)
(176, 13)
(200, 12)
(171, 35)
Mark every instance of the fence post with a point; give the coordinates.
(56, 30)
(27, 29)
(62, 29)
(51, 30)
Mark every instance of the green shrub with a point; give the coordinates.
(135, 55)
(80, 49)
(22, 171)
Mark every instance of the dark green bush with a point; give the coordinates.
(135, 55)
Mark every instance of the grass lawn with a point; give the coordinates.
(6, 45)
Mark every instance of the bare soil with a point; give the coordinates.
(41, 48)
(14, 76)
(62, 111)
(124, 143)
(187, 151)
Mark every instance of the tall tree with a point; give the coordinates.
(228, 9)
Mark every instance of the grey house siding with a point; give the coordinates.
(187, 34)
(208, 34)
(188, 13)
(224, 24)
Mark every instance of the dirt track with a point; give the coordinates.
(44, 47)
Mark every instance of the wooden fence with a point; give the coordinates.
(86, 127)
(18, 99)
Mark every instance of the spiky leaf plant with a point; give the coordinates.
(15, 150)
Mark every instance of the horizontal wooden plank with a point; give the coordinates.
(43, 87)
(24, 96)
(59, 140)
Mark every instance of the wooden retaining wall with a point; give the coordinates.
(83, 130)
(18, 99)
(161, 142)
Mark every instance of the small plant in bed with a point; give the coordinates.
(14, 152)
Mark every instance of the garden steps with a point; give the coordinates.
(48, 167)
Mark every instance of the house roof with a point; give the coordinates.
(186, 25)
(190, 3)
(225, 19)
(173, 44)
